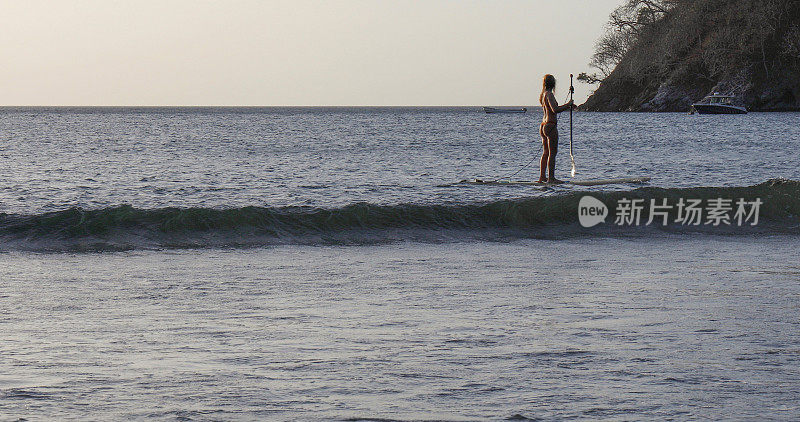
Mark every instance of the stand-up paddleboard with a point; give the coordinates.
(591, 182)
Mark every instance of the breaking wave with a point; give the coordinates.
(124, 227)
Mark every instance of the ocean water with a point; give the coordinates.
(325, 264)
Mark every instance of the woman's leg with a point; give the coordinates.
(552, 137)
(545, 155)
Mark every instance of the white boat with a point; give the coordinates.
(505, 109)
(717, 104)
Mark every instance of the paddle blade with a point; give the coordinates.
(573, 167)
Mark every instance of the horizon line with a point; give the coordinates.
(253, 106)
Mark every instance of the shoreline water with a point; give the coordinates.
(584, 328)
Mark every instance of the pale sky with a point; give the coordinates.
(295, 52)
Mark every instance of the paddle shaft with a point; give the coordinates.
(571, 90)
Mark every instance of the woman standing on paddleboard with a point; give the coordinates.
(549, 129)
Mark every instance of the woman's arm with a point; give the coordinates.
(553, 106)
(564, 107)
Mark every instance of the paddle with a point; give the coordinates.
(571, 157)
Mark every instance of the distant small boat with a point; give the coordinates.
(505, 109)
(716, 104)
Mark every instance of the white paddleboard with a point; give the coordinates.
(590, 182)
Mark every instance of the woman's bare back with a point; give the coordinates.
(550, 107)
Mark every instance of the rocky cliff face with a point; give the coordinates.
(705, 46)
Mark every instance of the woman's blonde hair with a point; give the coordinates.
(548, 83)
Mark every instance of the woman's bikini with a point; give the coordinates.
(546, 128)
